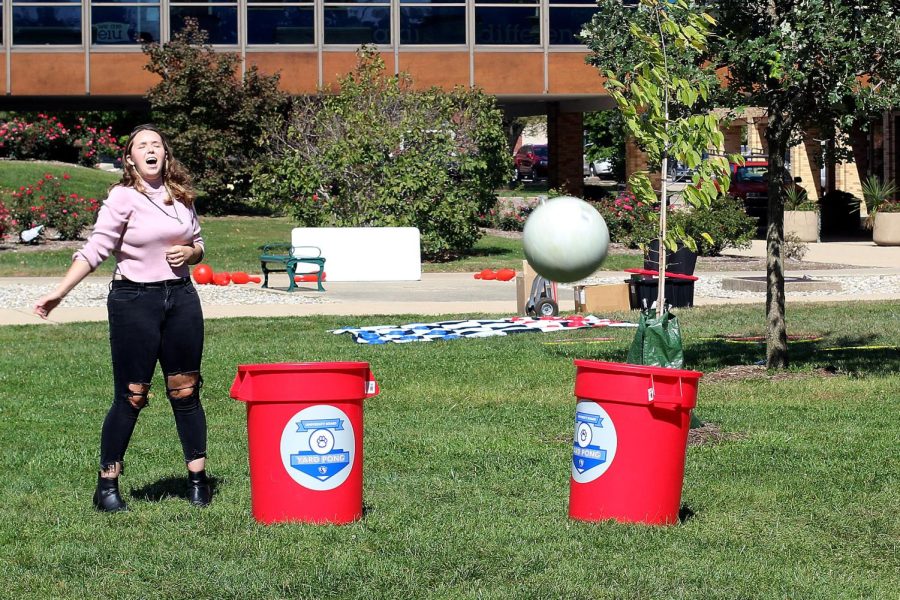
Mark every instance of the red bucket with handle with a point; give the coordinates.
(631, 428)
(305, 438)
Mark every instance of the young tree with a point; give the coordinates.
(654, 72)
(215, 117)
(816, 63)
(376, 152)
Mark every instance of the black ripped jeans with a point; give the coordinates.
(150, 322)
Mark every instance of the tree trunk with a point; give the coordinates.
(776, 328)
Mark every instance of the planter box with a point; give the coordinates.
(802, 223)
(887, 229)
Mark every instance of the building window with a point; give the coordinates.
(218, 19)
(356, 23)
(124, 23)
(432, 22)
(507, 22)
(46, 23)
(567, 17)
(290, 22)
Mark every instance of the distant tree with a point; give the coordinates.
(374, 151)
(829, 64)
(215, 117)
(604, 137)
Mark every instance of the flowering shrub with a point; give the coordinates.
(94, 143)
(630, 222)
(4, 220)
(508, 214)
(45, 203)
(47, 138)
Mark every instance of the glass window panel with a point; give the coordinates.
(219, 21)
(508, 26)
(46, 25)
(591, 2)
(432, 1)
(280, 25)
(358, 25)
(566, 24)
(488, 2)
(279, 1)
(439, 25)
(333, 2)
(117, 25)
(20, 2)
(102, 2)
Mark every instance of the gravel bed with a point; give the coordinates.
(710, 286)
(88, 295)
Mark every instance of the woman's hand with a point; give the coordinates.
(179, 255)
(47, 303)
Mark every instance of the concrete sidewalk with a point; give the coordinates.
(460, 293)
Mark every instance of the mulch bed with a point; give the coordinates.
(711, 434)
(759, 372)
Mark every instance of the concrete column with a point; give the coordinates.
(565, 141)
(891, 142)
(805, 158)
(756, 135)
(733, 137)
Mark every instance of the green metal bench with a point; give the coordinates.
(286, 257)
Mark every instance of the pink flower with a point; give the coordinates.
(66, 176)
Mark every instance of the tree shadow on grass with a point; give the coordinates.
(854, 354)
(168, 487)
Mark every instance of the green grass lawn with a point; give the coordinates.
(467, 454)
(90, 183)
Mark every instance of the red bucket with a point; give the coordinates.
(305, 433)
(631, 427)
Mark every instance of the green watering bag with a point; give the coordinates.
(657, 342)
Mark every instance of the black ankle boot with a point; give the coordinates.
(107, 497)
(199, 491)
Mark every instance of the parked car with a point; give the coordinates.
(531, 161)
(750, 183)
(601, 167)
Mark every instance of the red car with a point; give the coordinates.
(750, 183)
(531, 161)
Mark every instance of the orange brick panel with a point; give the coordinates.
(568, 74)
(510, 72)
(299, 71)
(47, 74)
(335, 65)
(444, 69)
(120, 74)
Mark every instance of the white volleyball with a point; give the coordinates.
(565, 239)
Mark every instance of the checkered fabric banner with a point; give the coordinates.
(452, 330)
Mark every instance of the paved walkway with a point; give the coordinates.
(455, 293)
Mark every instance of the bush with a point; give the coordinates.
(376, 152)
(508, 214)
(4, 220)
(215, 120)
(630, 222)
(43, 138)
(45, 203)
(725, 221)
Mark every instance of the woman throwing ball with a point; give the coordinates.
(149, 224)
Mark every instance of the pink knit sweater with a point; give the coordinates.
(137, 231)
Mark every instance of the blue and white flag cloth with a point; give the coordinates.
(452, 330)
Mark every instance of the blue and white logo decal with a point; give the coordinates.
(595, 442)
(318, 447)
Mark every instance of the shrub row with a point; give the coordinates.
(46, 137)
